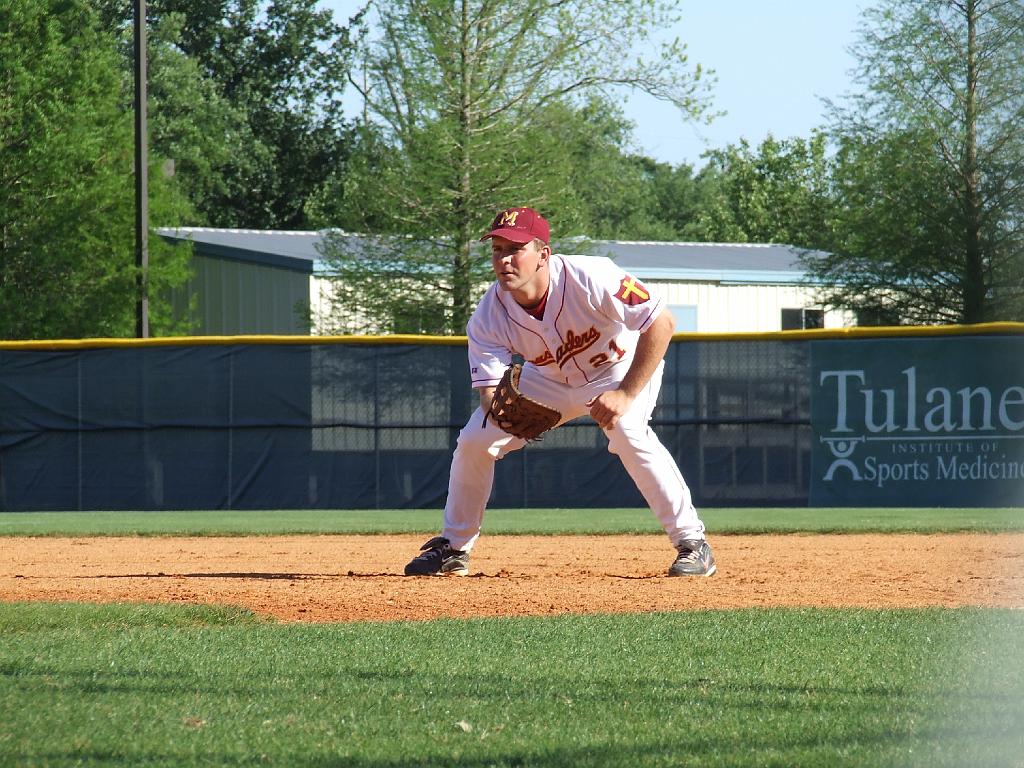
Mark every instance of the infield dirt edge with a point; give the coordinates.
(331, 578)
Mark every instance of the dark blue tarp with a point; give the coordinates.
(268, 424)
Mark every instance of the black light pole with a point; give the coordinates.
(141, 176)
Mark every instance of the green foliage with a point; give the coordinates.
(610, 193)
(214, 150)
(351, 199)
(398, 284)
(740, 688)
(246, 99)
(67, 263)
(931, 166)
(467, 99)
(898, 229)
(915, 191)
(780, 193)
(679, 197)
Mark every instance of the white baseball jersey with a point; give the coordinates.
(594, 315)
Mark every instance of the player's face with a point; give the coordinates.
(517, 265)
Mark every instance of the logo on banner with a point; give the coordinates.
(887, 432)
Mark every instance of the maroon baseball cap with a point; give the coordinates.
(520, 225)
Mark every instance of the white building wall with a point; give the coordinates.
(320, 292)
(743, 308)
(720, 308)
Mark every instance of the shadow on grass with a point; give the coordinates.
(859, 716)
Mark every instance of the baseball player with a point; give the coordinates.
(593, 339)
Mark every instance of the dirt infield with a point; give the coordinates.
(358, 578)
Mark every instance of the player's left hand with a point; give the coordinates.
(608, 407)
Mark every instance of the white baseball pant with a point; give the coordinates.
(481, 443)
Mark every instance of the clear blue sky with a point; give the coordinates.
(774, 60)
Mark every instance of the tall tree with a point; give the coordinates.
(897, 232)
(67, 264)
(679, 196)
(247, 101)
(467, 94)
(933, 165)
(611, 192)
(778, 193)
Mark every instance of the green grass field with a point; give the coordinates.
(161, 686)
(506, 521)
(130, 685)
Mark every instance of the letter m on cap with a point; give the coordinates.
(508, 218)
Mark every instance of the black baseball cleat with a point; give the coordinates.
(438, 558)
(694, 559)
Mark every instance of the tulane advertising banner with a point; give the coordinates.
(911, 421)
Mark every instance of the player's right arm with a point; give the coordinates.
(608, 407)
(489, 353)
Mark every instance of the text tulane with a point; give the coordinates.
(917, 409)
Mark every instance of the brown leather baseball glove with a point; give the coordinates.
(518, 414)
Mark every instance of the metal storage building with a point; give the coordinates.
(246, 281)
(272, 282)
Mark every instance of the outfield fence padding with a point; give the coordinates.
(901, 417)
